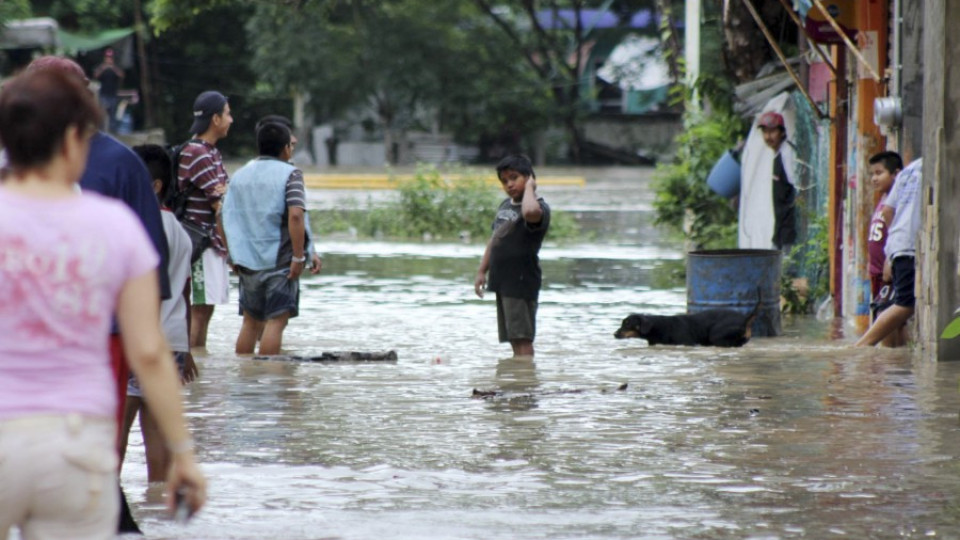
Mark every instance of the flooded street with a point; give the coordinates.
(798, 436)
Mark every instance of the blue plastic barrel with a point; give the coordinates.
(730, 278)
(724, 177)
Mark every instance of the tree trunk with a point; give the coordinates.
(146, 88)
(671, 43)
(745, 48)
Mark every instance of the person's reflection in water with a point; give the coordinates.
(520, 431)
(518, 383)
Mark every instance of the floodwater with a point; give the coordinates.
(798, 436)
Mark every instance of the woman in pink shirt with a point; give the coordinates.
(68, 261)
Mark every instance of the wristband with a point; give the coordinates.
(299, 259)
(181, 447)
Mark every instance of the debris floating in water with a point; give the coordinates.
(337, 356)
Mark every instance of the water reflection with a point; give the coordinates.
(798, 436)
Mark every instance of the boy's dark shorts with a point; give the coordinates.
(882, 296)
(268, 294)
(516, 318)
(904, 276)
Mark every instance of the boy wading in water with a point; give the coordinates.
(511, 256)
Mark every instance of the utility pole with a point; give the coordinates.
(145, 87)
(691, 46)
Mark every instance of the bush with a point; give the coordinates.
(684, 200)
(812, 259)
(434, 206)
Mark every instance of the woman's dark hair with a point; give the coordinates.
(272, 138)
(36, 108)
(158, 162)
(516, 162)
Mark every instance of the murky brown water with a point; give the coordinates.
(793, 437)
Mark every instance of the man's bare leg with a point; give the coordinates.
(200, 316)
(250, 332)
(131, 408)
(273, 334)
(522, 347)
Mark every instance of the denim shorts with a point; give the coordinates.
(268, 294)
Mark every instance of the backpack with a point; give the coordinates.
(176, 201)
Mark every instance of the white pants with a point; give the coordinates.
(58, 477)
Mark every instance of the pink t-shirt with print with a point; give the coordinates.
(63, 263)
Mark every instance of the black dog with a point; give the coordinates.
(716, 327)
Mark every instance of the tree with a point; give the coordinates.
(553, 54)
(11, 10)
(473, 67)
(416, 64)
(746, 49)
(554, 39)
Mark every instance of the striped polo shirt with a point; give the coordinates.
(202, 165)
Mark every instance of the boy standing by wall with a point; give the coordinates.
(884, 168)
(511, 256)
(904, 203)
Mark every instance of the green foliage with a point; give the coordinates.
(417, 64)
(87, 15)
(813, 259)
(14, 9)
(684, 200)
(432, 206)
(169, 14)
(210, 52)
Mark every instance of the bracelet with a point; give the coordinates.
(181, 447)
(299, 259)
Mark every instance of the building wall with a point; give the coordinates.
(938, 292)
(652, 135)
(910, 144)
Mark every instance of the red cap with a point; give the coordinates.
(771, 119)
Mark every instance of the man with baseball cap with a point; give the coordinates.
(200, 170)
(784, 192)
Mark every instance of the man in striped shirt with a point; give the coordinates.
(264, 217)
(201, 166)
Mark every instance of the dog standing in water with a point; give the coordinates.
(713, 327)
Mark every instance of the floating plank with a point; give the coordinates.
(498, 394)
(336, 356)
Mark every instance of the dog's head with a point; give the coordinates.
(634, 326)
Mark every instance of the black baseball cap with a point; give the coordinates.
(205, 106)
